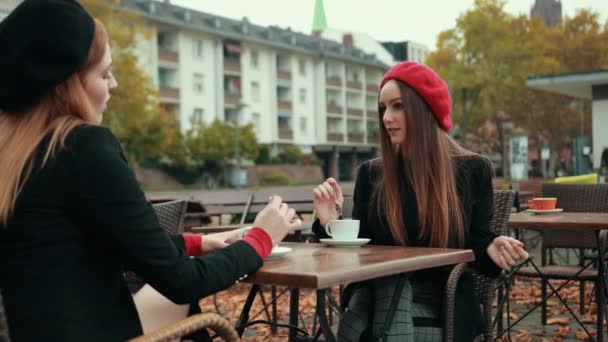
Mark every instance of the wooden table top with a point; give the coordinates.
(591, 221)
(316, 266)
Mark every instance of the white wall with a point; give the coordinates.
(600, 124)
(189, 65)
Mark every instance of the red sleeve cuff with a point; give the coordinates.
(260, 241)
(194, 244)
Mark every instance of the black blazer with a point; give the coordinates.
(474, 183)
(79, 222)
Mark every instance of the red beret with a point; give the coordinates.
(428, 85)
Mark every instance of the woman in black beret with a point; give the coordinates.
(424, 191)
(72, 215)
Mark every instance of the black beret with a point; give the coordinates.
(43, 43)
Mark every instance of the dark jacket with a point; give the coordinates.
(79, 222)
(474, 182)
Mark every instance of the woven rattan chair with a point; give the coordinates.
(503, 203)
(171, 215)
(217, 323)
(4, 336)
(171, 218)
(572, 198)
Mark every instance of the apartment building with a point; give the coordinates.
(295, 88)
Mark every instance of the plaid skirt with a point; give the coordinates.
(416, 318)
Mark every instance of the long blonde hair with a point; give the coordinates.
(57, 113)
(430, 168)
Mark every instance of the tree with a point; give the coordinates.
(488, 56)
(212, 146)
(133, 113)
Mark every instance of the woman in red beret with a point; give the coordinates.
(72, 214)
(425, 190)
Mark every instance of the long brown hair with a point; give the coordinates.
(57, 113)
(429, 166)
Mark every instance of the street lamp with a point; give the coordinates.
(237, 146)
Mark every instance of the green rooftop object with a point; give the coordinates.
(319, 22)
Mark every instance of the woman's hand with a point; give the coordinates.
(213, 242)
(325, 198)
(277, 219)
(506, 252)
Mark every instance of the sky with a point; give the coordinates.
(384, 20)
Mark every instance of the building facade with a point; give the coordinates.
(407, 51)
(296, 89)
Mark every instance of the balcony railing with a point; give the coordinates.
(335, 137)
(284, 75)
(334, 109)
(372, 88)
(285, 105)
(169, 93)
(334, 82)
(167, 55)
(232, 66)
(357, 138)
(354, 85)
(231, 100)
(285, 133)
(354, 111)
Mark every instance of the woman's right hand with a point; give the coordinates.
(277, 219)
(325, 198)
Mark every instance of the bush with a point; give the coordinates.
(275, 178)
(292, 154)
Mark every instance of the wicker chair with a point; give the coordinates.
(171, 218)
(171, 215)
(571, 198)
(185, 327)
(484, 286)
(215, 322)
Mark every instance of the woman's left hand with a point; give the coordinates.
(213, 242)
(506, 252)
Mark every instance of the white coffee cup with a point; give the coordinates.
(343, 229)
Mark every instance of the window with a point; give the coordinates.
(255, 117)
(197, 48)
(197, 115)
(303, 125)
(197, 83)
(255, 91)
(302, 67)
(302, 95)
(254, 59)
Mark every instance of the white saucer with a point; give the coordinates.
(278, 252)
(345, 243)
(547, 211)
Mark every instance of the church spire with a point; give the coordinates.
(319, 22)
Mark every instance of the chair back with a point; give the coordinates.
(4, 336)
(503, 203)
(590, 198)
(171, 215)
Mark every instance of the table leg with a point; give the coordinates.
(323, 323)
(240, 323)
(294, 299)
(275, 319)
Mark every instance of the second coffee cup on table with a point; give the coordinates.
(343, 229)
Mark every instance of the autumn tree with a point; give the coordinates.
(488, 56)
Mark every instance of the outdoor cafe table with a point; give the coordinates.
(565, 220)
(315, 266)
